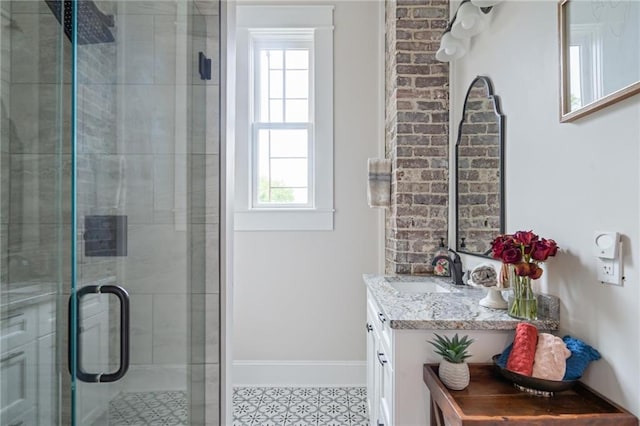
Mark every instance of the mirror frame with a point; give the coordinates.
(566, 115)
(501, 167)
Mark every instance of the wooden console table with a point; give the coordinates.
(491, 400)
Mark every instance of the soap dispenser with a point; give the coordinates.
(441, 262)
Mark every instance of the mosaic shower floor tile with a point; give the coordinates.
(165, 408)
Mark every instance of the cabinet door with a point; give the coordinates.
(383, 376)
(18, 372)
(24, 419)
(47, 406)
(377, 376)
(371, 366)
(18, 327)
(386, 391)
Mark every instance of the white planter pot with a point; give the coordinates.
(454, 376)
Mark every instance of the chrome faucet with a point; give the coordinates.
(455, 266)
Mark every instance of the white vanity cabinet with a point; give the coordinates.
(27, 362)
(379, 367)
(397, 347)
(18, 362)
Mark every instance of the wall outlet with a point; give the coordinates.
(610, 271)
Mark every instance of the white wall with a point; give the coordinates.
(300, 295)
(566, 181)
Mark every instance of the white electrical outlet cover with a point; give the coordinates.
(606, 245)
(609, 271)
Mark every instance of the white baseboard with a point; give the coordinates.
(299, 373)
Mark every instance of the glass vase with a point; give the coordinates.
(523, 302)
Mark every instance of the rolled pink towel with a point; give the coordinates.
(524, 349)
(551, 356)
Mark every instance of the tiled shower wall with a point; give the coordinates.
(416, 128)
(31, 132)
(5, 87)
(5, 81)
(35, 229)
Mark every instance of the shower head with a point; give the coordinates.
(92, 24)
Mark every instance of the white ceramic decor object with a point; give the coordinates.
(493, 299)
(454, 376)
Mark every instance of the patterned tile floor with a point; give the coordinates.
(252, 406)
(307, 406)
(164, 408)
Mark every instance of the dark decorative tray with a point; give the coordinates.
(533, 383)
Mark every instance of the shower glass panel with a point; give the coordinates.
(34, 215)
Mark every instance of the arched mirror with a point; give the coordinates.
(479, 170)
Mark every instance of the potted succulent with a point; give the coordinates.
(453, 371)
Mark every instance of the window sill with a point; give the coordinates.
(284, 220)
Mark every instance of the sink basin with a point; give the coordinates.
(419, 287)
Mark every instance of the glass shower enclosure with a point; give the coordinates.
(109, 221)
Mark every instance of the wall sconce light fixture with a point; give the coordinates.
(452, 48)
(485, 3)
(470, 19)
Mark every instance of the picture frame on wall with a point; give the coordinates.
(599, 54)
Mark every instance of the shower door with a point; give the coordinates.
(139, 184)
(109, 221)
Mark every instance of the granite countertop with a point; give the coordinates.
(454, 310)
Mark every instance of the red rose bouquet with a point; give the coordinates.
(521, 254)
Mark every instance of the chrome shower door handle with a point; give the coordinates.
(75, 329)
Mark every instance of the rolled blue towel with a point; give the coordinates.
(581, 355)
(502, 359)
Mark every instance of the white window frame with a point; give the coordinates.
(261, 22)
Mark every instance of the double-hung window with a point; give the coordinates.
(284, 116)
(282, 130)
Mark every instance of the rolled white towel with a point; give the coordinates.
(485, 275)
(379, 183)
(550, 360)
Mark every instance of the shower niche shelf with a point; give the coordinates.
(105, 235)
